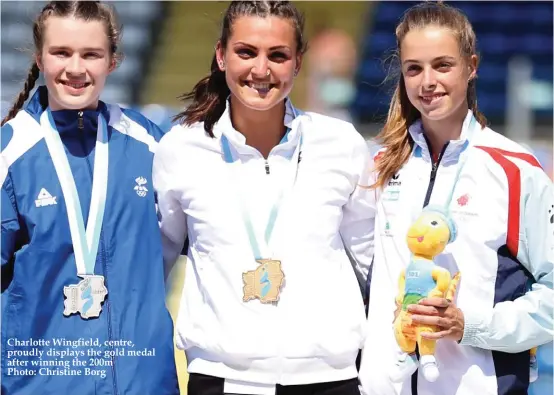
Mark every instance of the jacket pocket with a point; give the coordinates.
(11, 324)
(215, 318)
(327, 309)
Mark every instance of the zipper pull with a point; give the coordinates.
(266, 167)
(80, 124)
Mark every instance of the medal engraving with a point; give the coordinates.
(86, 297)
(264, 283)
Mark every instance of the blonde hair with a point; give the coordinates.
(85, 10)
(394, 136)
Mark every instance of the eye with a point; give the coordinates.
(412, 69)
(279, 56)
(444, 66)
(93, 55)
(61, 54)
(246, 53)
(434, 223)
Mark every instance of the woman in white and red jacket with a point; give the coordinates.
(437, 150)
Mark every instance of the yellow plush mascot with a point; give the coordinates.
(422, 278)
(427, 238)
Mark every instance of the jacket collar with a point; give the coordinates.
(289, 141)
(454, 147)
(66, 120)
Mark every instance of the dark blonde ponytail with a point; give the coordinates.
(32, 78)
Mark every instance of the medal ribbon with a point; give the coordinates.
(228, 156)
(85, 242)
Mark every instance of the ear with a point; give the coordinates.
(472, 67)
(299, 59)
(38, 61)
(220, 55)
(113, 65)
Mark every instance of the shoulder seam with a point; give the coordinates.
(125, 125)
(26, 134)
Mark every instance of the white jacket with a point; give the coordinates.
(315, 331)
(504, 206)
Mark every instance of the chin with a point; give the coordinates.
(261, 102)
(76, 102)
(436, 114)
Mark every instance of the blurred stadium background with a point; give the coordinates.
(168, 47)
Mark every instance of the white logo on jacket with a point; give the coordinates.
(44, 198)
(140, 188)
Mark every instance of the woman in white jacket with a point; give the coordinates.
(269, 198)
(437, 151)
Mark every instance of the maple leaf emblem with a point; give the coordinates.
(463, 200)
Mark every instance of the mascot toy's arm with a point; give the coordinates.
(442, 278)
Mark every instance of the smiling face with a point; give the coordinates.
(75, 60)
(435, 74)
(428, 235)
(260, 61)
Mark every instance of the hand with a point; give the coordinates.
(441, 313)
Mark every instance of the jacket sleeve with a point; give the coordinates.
(526, 322)
(10, 220)
(358, 220)
(172, 219)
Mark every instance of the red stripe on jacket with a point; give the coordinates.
(514, 189)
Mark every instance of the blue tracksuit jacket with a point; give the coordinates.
(41, 346)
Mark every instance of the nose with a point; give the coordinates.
(429, 81)
(261, 67)
(75, 65)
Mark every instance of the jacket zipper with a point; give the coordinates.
(433, 173)
(80, 125)
(432, 178)
(266, 167)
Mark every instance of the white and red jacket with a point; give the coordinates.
(503, 205)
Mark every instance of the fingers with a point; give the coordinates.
(423, 310)
(435, 335)
(432, 321)
(436, 302)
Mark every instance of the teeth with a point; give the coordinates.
(76, 86)
(259, 86)
(429, 98)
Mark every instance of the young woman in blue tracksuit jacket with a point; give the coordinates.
(83, 297)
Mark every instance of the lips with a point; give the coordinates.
(75, 84)
(260, 87)
(428, 99)
(418, 238)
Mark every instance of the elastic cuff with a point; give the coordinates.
(474, 326)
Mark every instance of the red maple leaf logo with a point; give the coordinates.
(462, 200)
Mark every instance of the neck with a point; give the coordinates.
(442, 131)
(263, 129)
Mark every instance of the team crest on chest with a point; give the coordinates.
(141, 188)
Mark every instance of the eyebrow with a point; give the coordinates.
(253, 47)
(88, 49)
(450, 58)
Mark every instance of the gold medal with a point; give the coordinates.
(264, 283)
